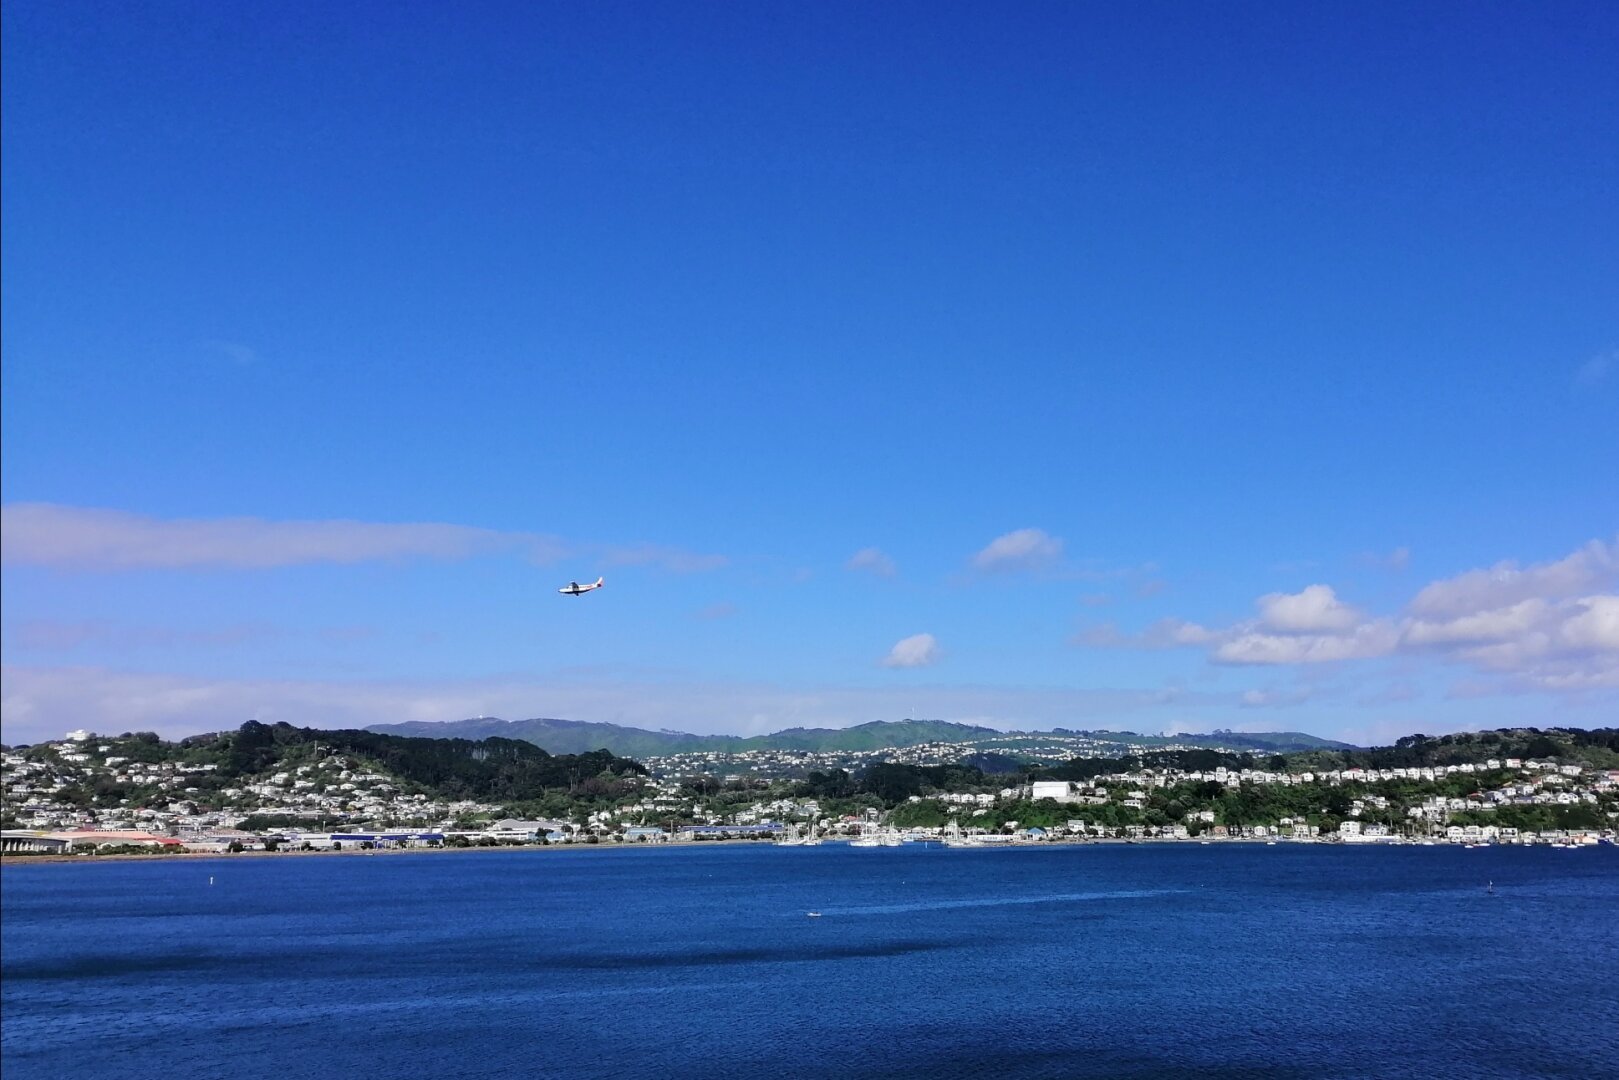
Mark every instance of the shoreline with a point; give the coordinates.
(13, 859)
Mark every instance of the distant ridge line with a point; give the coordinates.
(559, 736)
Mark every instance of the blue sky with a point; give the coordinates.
(1156, 367)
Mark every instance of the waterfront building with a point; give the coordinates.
(14, 841)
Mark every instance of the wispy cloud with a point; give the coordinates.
(81, 538)
(1395, 693)
(50, 635)
(1020, 550)
(1272, 698)
(235, 352)
(674, 560)
(1397, 560)
(716, 611)
(1594, 566)
(872, 561)
(1597, 369)
(918, 650)
(70, 537)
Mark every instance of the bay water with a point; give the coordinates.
(1152, 960)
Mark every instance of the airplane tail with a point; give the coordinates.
(599, 582)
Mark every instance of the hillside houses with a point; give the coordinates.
(119, 784)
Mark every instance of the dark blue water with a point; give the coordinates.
(1117, 961)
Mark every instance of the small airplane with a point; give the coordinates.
(573, 588)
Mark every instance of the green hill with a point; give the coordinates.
(492, 769)
(565, 736)
(576, 736)
(876, 735)
(1272, 742)
(1598, 748)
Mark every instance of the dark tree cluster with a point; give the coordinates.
(1598, 747)
(486, 769)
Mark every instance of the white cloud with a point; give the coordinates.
(1570, 646)
(1541, 627)
(1317, 608)
(1372, 639)
(1530, 626)
(1593, 624)
(1480, 626)
(1311, 626)
(918, 650)
(1592, 567)
(1163, 634)
(873, 561)
(1023, 549)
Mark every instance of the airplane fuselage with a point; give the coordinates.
(573, 588)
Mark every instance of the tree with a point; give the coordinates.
(893, 783)
(1540, 747)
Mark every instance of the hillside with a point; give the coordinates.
(1597, 748)
(566, 736)
(1273, 742)
(576, 736)
(494, 769)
